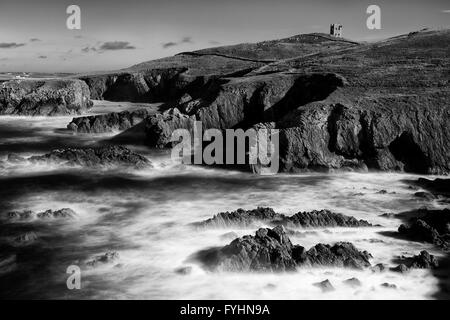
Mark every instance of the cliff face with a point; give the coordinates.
(44, 97)
(380, 106)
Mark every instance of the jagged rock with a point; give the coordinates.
(183, 270)
(401, 268)
(353, 282)
(272, 250)
(430, 226)
(424, 195)
(21, 215)
(115, 121)
(423, 260)
(47, 97)
(64, 213)
(108, 257)
(389, 285)
(325, 285)
(244, 218)
(380, 267)
(94, 157)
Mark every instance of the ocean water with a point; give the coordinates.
(146, 217)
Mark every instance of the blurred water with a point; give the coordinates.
(145, 216)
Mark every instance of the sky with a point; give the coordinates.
(117, 34)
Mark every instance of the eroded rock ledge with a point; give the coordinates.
(272, 250)
(49, 97)
(106, 156)
(313, 219)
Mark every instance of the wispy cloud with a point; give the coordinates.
(116, 45)
(214, 42)
(169, 44)
(10, 45)
(35, 40)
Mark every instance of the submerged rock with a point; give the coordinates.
(353, 282)
(325, 285)
(436, 186)
(26, 238)
(389, 285)
(424, 195)
(108, 257)
(20, 215)
(424, 260)
(313, 219)
(272, 250)
(94, 157)
(401, 268)
(380, 267)
(47, 97)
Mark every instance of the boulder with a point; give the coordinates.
(49, 97)
(353, 282)
(108, 257)
(272, 250)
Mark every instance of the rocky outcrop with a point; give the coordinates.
(367, 107)
(313, 219)
(47, 97)
(431, 226)
(437, 186)
(272, 250)
(64, 213)
(116, 156)
(110, 122)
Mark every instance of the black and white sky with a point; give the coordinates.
(119, 33)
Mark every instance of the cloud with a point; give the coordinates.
(42, 57)
(187, 40)
(169, 44)
(166, 45)
(35, 40)
(9, 45)
(116, 45)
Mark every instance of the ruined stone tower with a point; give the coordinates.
(336, 30)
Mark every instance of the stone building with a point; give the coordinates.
(336, 30)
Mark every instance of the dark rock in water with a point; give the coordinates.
(424, 195)
(380, 267)
(325, 285)
(21, 215)
(229, 236)
(389, 285)
(272, 250)
(430, 226)
(183, 270)
(313, 219)
(401, 268)
(26, 238)
(14, 158)
(47, 97)
(94, 157)
(437, 186)
(116, 121)
(64, 213)
(353, 282)
(108, 257)
(382, 192)
(424, 260)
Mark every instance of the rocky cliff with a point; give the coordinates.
(47, 97)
